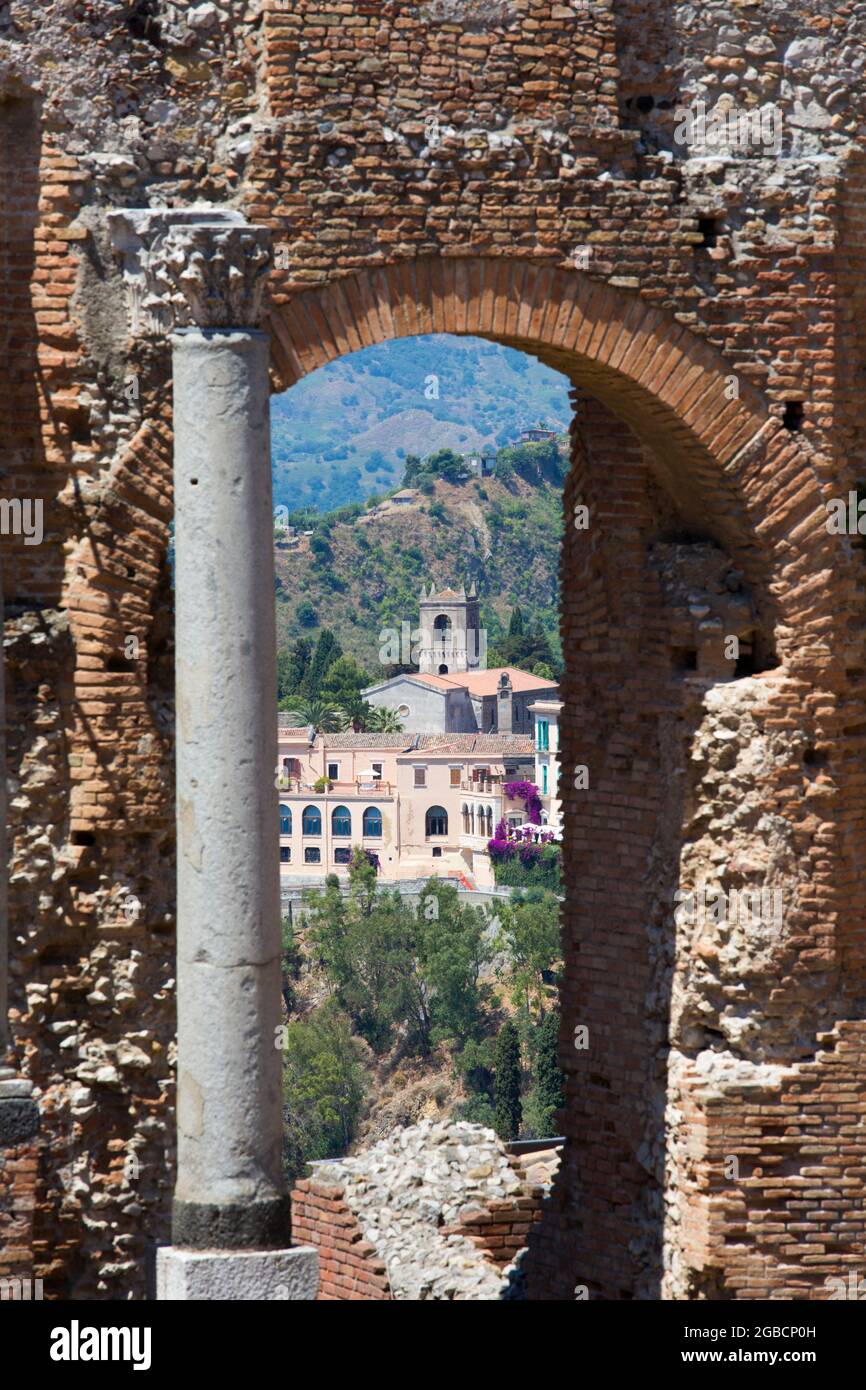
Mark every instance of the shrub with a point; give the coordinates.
(511, 870)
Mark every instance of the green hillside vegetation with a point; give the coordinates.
(377, 987)
(344, 432)
(361, 570)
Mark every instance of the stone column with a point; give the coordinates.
(200, 273)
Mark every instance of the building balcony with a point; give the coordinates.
(378, 791)
(474, 842)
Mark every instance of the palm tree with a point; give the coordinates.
(323, 717)
(384, 721)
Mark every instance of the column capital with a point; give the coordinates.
(194, 267)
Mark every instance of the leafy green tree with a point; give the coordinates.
(507, 1112)
(475, 1065)
(412, 470)
(447, 465)
(290, 963)
(452, 951)
(530, 938)
(292, 666)
(545, 1095)
(543, 671)
(524, 650)
(343, 682)
(306, 614)
(323, 1088)
(364, 942)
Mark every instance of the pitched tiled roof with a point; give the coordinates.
(477, 682)
(291, 730)
(352, 740)
(487, 682)
(499, 744)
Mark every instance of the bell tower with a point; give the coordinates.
(450, 632)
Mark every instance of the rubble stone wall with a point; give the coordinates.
(510, 168)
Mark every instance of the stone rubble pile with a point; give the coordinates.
(408, 1186)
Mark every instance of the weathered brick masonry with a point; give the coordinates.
(439, 167)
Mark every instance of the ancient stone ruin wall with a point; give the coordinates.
(510, 169)
(435, 1211)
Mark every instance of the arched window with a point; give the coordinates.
(489, 822)
(466, 829)
(311, 821)
(285, 820)
(341, 822)
(436, 821)
(372, 824)
(442, 628)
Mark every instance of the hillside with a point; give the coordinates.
(364, 574)
(344, 431)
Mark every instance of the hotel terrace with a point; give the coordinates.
(422, 803)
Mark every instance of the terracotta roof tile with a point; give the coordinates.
(500, 744)
(383, 741)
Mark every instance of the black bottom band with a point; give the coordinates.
(232, 1226)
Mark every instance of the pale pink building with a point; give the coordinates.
(423, 803)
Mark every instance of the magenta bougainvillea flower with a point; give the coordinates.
(527, 792)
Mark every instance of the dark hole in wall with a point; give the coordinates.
(685, 658)
(709, 230)
(142, 21)
(815, 757)
(793, 416)
(82, 837)
(761, 656)
(746, 665)
(79, 428)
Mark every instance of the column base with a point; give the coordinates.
(185, 1276)
(263, 1225)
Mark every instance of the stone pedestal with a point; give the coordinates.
(236, 1275)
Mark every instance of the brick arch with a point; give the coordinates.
(733, 469)
(629, 1193)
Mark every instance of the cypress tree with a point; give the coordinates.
(506, 1070)
(548, 1077)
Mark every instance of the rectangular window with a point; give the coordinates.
(542, 731)
(285, 854)
(377, 770)
(437, 851)
(343, 856)
(455, 776)
(333, 772)
(544, 779)
(312, 855)
(420, 776)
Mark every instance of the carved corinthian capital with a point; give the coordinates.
(190, 267)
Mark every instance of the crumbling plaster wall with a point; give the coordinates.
(365, 134)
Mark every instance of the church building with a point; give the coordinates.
(453, 691)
